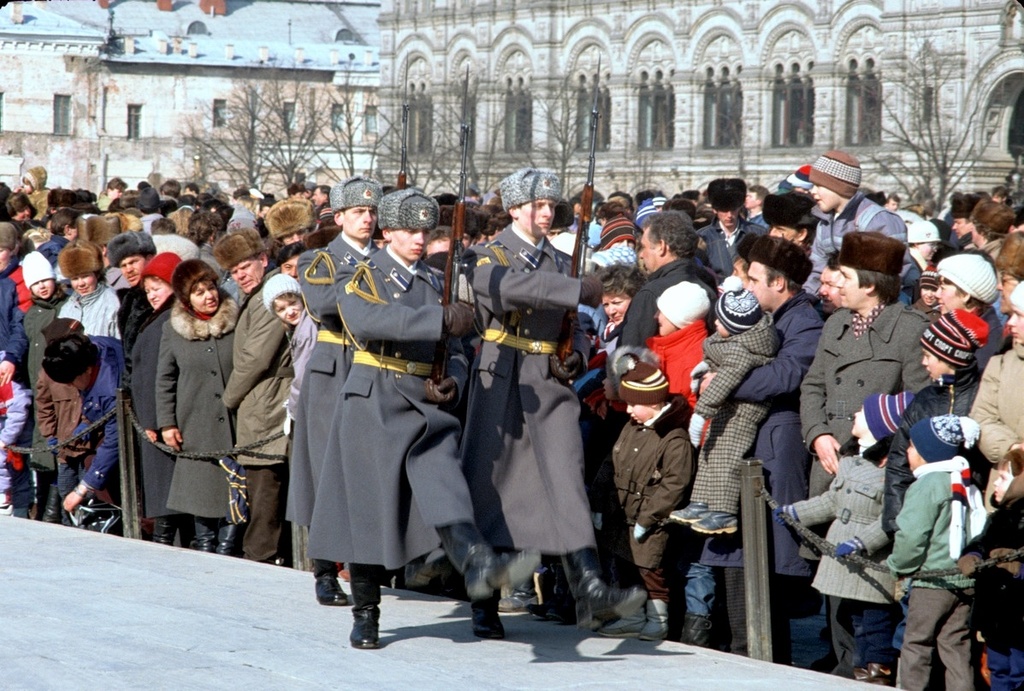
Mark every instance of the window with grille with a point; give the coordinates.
(61, 114)
(584, 111)
(656, 112)
(863, 105)
(723, 110)
(792, 108)
(518, 117)
(134, 121)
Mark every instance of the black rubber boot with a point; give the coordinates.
(484, 570)
(365, 584)
(52, 512)
(229, 538)
(206, 534)
(328, 590)
(696, 630)
(486, 623)
(596, 601)
(163, 530)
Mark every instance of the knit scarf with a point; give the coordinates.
(968, 513)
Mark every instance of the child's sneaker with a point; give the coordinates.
(716, 523)
(691, 514)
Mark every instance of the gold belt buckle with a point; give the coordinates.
(536, 347)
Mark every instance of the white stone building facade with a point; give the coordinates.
(92, 90)
(673, 74)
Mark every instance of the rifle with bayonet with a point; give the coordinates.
(453, 267)
(402, 182)
(579, 251)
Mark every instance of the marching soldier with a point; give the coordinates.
(354, 202)
(402, 483)
(521, 451)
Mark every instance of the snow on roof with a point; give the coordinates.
(337, 36)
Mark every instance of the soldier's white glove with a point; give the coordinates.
(287, 426)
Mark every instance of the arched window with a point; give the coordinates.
(656, 112)
(197, 29)
(1015, 144)
(344, 36)
(792, 107)
(518, 117)
(421, 119)
(584, 108)
(863, 105)
(723, 110)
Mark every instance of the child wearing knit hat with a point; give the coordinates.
(653, 466)
(745, 339)
(866, 596)
(282, 296)
(682, 309)
(942, 512)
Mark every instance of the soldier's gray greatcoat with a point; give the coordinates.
(400, 476)
(522, 451)
(320, 272)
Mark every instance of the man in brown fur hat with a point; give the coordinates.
(257, 388)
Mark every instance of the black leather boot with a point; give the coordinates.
(52, 512)
(696, 630)
(163, 530)
(328, 589)
(484, 570)
(365, 584)
(486, 623)
(206, 534)
(596, 601)
(229, 538)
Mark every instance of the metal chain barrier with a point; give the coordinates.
(70, 440)
(247, 450)
(826, 548)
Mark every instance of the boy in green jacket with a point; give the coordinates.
(942, 511)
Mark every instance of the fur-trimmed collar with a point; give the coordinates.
(674, 417)
(191, 328)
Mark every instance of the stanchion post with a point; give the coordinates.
(300, 541)
(128, 459)
(755, 561)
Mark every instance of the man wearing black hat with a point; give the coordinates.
(776, 274)
(789, 216)
(149, 205)
(727, 197)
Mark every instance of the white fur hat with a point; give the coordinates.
(684, 303)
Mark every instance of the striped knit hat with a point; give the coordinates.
(837, 171)
(955, 336)
(643, 384)
(883, 413)
(617, 230)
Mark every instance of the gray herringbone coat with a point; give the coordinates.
(322, 273)
(853, 503)
(521, 450)
(734, 423)
(399, 477)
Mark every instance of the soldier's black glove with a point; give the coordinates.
(458, 319)
(441, 393)
(564, 371)
(591, 291)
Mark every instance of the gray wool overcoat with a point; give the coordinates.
(399, 477)
(522, 450)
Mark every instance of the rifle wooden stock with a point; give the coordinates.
(450, 290)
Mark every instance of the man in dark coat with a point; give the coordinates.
(777, 271)
(723, 235)
(522, 452)
(667, 248)
(403, 481)
(354, 202)
(129, 252)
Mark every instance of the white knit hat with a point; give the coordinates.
(684, 303)
(920, 230)
(34, 268)
(276, 286)
(1017, 297)
(973, 274)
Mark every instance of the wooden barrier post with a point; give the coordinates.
(755, 561)
(128, 460)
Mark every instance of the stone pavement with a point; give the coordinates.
(80, 609)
